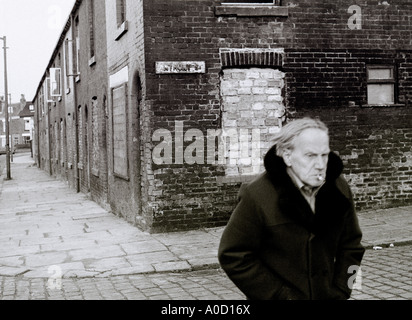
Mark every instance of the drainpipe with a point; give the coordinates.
(76, 117)
(49, 138)
(37, 130)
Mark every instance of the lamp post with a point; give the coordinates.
(6, 94)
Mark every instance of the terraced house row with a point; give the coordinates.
(160, 109)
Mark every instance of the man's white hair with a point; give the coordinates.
(285, 138)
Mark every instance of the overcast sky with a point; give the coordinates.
(32, 28)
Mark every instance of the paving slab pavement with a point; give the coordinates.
(48, 229)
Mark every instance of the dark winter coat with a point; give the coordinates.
(274, 247)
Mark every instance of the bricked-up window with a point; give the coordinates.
(252, 109)
(381, 85)
(120, 158)
(120, 11)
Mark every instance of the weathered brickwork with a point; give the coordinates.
(327, 68)
(152, 154)
(374, 141)
(68, 138)
(324, 62)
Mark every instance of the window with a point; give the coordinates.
(55, 82)
(122, 25)
(76, 49)
(42, 97)
(48, 91)
(91, 28)
(381, 85)
(68, 72)
(121, 12)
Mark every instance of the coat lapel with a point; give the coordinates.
(331, 206)
(293, 205)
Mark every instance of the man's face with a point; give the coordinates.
(309, 157)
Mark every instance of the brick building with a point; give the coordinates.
(20, 128)
(169, 105)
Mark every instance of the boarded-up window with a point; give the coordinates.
(120, 160)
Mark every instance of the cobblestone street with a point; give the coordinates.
(386, 275)
(51, 251)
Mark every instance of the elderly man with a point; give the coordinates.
(294, 234)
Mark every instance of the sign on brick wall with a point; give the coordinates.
(167, 67)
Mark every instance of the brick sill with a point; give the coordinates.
(121, 30)
(92, 61)
(120, 176)
(252, 10)
(95, 172)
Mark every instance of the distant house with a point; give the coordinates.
(27, 114)
(21, 117)
(21, 124)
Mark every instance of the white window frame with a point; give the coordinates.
(389, 81)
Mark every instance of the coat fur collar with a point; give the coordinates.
(331, 202)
